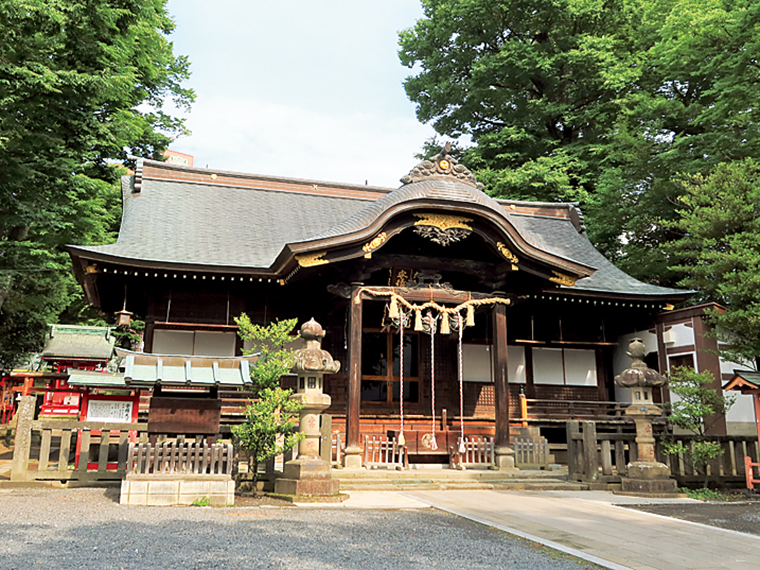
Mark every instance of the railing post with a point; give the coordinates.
(23, 439)
(590, 453)
(571, 428)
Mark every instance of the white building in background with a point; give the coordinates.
(678, 339)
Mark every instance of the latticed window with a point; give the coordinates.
(380, 378)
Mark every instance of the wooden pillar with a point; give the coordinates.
(352, 457)
(504, 455)
(707, 359)
(662, 359)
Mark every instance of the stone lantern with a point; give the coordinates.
(309, 476)
(646, 476)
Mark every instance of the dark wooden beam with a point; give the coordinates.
(354, 371)
(483, 270)
(501, 386)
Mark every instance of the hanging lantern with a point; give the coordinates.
(124, 318)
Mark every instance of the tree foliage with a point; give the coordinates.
(82, 83)
(696, 409)
(597, 102)
(270, 426)
(719, 251)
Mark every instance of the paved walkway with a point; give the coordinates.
(590, 525)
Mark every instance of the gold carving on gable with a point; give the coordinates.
(371, 246)
(506, 253)
(312, 259)
(443, 222)
(562, 279)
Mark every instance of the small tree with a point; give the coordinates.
(270, 419)
(696, 410)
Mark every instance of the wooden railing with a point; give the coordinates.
(749, 472)
(597, 457)
(727, 469)
(530, 452)
(180, 458)
(381, 451)
(602, 458)
(478, 451)
(574, 409)
(74, 451)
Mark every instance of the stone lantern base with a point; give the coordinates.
(649, 479)
(308, 480)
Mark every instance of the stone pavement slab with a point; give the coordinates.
(373, 500)
(590, 525)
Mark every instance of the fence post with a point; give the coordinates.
(325, 437)
(23, 440)
(571, 428)
(590, 454)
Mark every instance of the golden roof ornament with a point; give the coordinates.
(442, 165)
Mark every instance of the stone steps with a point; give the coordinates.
(429, 485)
(439, 479)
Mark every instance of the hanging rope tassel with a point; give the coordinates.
(393, 309)
(418, 320)
(470, 316)
(401, 439)
(433, 442)
(462, 447)
(445, 324)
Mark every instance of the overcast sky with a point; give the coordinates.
(308, 89)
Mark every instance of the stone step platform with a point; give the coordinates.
(439, 479)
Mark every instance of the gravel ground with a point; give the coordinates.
(86, 528)
(743, 517)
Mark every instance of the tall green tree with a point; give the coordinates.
(82, 83)
(270, 426)
(719, 251)
(597, 102)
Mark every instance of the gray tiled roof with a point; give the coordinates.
(449, 190)
(194, 223)
(71, 341)
(177, 222)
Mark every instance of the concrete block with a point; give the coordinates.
(188, 499)
(137, 486)
(155, 500)
(163, 487)
(139, 500)
(195, 487)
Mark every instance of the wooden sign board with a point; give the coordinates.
(109, 411)
(187, 416)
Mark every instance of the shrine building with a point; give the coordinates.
(519, 301)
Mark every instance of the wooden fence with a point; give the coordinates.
(531, 452)
(728, 469)
(74, 451)
(597, 457)
(381, 451)
(180, 458)
(479, 451)
(602, 458)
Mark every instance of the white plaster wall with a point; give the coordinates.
(740, 419)
(684, 336)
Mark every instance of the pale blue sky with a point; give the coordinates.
(308, 89)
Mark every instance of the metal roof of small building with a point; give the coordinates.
(78, 342)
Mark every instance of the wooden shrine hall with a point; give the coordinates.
(444, 305)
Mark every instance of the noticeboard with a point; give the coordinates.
(112, 411)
